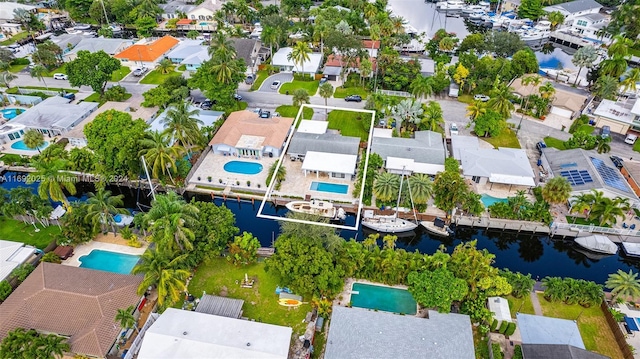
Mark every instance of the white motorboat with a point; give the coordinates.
(82, 27)
(437, 227)
(597, 243)
(318, 208)
(469, 9)
(389, 223)
(541, 31)
(631, 249)
(477, 15)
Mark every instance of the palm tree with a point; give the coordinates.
(126, 319)
(300, 96)
(281, 175)
(582, 203)
(432, 116)
(299, 54)
(183, 125)
(53, 180)
(533, 81)
(269, 37)
(222, 45)
(547, 90)
(501, 99)
(222, 66)
(602, 144)
(165, 66)
(476, 109)
(557, 190)
(632, 77)
(421, 187)
(406, 110)
(325, 90)
(39, 72)
(584, 57)
(102, 207)
(421, 87)
(164, 272)
(606, 87)
(159, 152)
(172, 220)
(624, 284)
(51, 346)
(607, 211)
(386, 186)
(556, 18)
(33, 139)
(447, 44)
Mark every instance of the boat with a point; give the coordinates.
(591, 255)
(477, 15)
(451, 5)
(82, 27)
(389, 223)
(541, 31)
(597, 243)
(469, 9)
(631, 249)
(318, 208)
(437, 227)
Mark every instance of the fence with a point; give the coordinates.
(394, 93)
(24, 91)
(137, 342)
(595, 229)
(617, 332)
(198, 163)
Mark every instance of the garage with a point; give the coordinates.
(561, 112)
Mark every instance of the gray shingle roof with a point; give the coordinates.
(245, 49)
(536, 329)
(361, 333)
(426, 147)
(555, 351)
(186, 48)
(486, 162)
(110, 46)
(301, 143)
(573, 7)
(226, 307)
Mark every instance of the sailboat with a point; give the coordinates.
(389, 223)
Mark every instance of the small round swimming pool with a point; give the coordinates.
(11, 113)
(20, 145)
(243, 167)
(489, 200)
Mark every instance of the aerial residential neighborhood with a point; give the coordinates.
(320, 179)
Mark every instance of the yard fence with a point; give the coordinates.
(137, 342)
(394, 93)
(198, 163)
(595, 229)
(617, 332)
(24, 91)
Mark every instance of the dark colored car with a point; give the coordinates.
(540, 145)
(617, 161)
(207, 104)
(249, 80)
(323, 80)
(353, 98)
(71, 96)
(265, 114)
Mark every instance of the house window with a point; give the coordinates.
(476, 179)
(338, 175)
(582, 23)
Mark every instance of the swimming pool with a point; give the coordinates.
(20, 145)
(242, 167)
(109, 261)
(489, 200)
(329, 187)
(11, 113)
(204, 24)
(381, 298)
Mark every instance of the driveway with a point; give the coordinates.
(282, 77)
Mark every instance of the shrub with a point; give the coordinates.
(503, 327)
(497, 351)
(51, 258)
(127, 234)
(517, 352)
(115, 93)
(494, 324)
(22, 272)
(511, 328)
(581, 120)
(5, 290)
(134, 242)
(20, 61)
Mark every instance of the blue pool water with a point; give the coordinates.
(488, 200)
(242, 167)
(383, 298)
(109, 261)
(204, 23)
(555, 60)
(11, 113)
(20, 145)
(330, 187)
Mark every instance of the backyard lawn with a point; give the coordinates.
(350, 123)
(18, 231)
(586, 129)
(466, 98)
(520, 305)
(95, 97)
(260, 302)
(342, 92)
(119, 74)
(310, 86)
(584, 221)
(17, 68)
(156, 78)
(507, 138)
(554, 142)
(292, 111)
(19, 36)
(593, 326)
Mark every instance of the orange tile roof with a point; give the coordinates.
(239, 123)
(184, 22)
(148, 52)
(367, 44)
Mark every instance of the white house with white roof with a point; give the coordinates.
(621, 116)
(281, 60)
(573, 9)
(13, 254)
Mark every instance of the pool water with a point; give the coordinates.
(242, 167)
(109, 261)
(386, 299)
(20, 145)
(489, 200)
(329, 187)
(204, 24)
(11, 113)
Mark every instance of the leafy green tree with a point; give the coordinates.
(48, 54)
(173, 222)
(92, 69)
(437, 289)
(530, 9)
(126, 319)
(557, 190)
(105, 31)
(215, 230)
(145, 25)
(476, 268)
(219, 77)
(75, 228)
(386, 186)
(165, 272)
(504, 43)
(474, 41)
(450, 189)
(192, 34)
(603, 144)
(53, 180)
(490, 123)
(33, 139)
(524, 62)
(623, 284)
(21, 272)
(173, 90)
(101, 209)
(299, 97)
(584, 57)
(244, 249)
(521, 284)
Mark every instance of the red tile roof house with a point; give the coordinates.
(147, 53)
(77, 303)
(334, 64)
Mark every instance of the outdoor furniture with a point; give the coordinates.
(624, 225)
(633, 226)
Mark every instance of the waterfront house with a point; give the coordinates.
(245, 134)
(591, 27)
(361, 333)
(174, 9)
(621, 115)
(12, 255)
(147, 52)
(335, 63)
(205, 11)
(178, 334)
(567, 102)
(206, 117)
(110, 46)
(77, 303)
(282, 61)
(425, 153)
(573, 9)
(537, 329)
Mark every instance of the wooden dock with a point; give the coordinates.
(266, 251)
(502, 224)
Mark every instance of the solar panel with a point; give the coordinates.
(576, 177)
(611, 176)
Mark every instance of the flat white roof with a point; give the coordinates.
(500, 308)
(12, 254)
(178, 334)
(619, 111)
(383, 132)
(330, 162)
(281, 58)
(396, 164)
(316, 127)
(636, 107)
(516, 180)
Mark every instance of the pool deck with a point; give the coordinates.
(213, 165)
(348, 288)
(298, 185)
(86, 248)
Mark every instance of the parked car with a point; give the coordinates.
(617, 161)
(71, 96)
(265, 114)
(353, 98)
(60, 77)
(483, 98)
(207, 104)
(237, 97)
(540, 145)
(275, 85)
(140, 71)
(454, 129)
(631, 139)
(605, 131)
(249, 80)
(323, 80)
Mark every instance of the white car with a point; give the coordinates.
(631, 139)
(454, 129)
(275, 85)
(483, 98)
(60, 77)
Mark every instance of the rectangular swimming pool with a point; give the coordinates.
(330, 187)
(382, 298)
(109, 261)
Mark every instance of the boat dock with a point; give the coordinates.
(503, 224)
(266, 251)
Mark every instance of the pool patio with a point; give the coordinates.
(86, 248)
(299, 185)
(213, 165)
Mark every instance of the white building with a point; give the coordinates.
(574, 9)
(13, 254)
(592, 26)
(425, 153)
(621, 116)
(499, 307)
(282, 61)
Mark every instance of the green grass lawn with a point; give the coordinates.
(506, 138)
(593, 326)
(182, 68)
(59, 70)
(636, 146)
(119, 74)
(584, 221)
(15, 38)
(260, 302)
(260, 77)
(292, 111)
(18, 231)
(349, 123)
(520, 305)
(342, 92)
(310, 86)
(465, 98)
(156, 78)
(554, 142)
(17, 68)
(586, 129)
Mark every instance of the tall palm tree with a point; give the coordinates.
(421, 187)
(160, 154)
(557, 190)
(584, 57)
(222, 67)
(281, 175)
(51, 346)
(299, 97)
(433, 116)
(39, 72)
(556, 18)
(607, 211)
(624, 284)
(632, 77)
(421, 87)
(582, 203)
(126, 319)
(606, 87)
(166, 273)
(533, 81)
(501, 99)
(476, 109)
(603, 144)
(221, 44)
(182, 125)
(269, 37)
(102, 207)
(53, 180)
(547, 90)
(33, 139)
(172, 220)
(325, 90)
(386, 186)
(299, 54)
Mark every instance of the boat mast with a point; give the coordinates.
(105, 13)
(395, 216)
(411, 198)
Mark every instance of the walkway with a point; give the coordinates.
(537, 308)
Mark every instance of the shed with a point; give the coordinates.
(319, 324)
(226, 307)
(500, 308)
